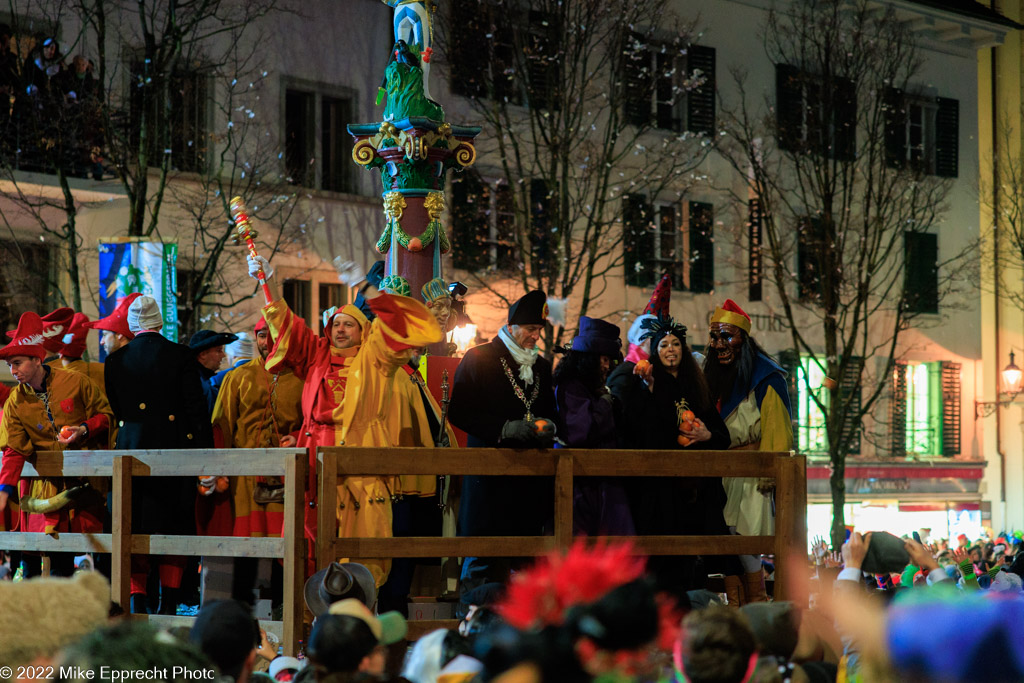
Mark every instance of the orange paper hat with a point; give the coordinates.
(27, 340)
(55, 325)
(732, 314)
(117, 321)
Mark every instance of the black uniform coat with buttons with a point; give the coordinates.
(154, 390)
(482, 401)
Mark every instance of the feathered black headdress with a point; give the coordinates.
(662, 325)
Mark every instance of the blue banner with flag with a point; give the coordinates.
(129, 266)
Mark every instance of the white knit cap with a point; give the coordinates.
(144, 314)
(241, 347)
(635, 330)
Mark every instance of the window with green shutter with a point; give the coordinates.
(810, 429)
(925, 413)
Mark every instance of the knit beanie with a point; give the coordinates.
(144, 314)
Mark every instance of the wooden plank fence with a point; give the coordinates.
(563, 465)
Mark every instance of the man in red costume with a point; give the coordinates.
(349, 397)
(51, 409)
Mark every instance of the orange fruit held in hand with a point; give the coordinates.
(686, 426)
(683, 441)
(643, 366)
(67, 431)
(688, 416)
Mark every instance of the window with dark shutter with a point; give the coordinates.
(638, 240)
(702, 247)
(921, 272)
(808, 262)
(898, 411)
(947, 138)
(639, 81)
(542, 60)
(950, 408)
(700, 102)
(789, 107)
(894, 107)
(469, 212)
(842, 143)
(814, 116)
(468, 51)
(850, 398)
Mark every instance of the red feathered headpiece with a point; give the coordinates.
(658, 305)
(541, 595)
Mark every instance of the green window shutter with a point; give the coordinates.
(950, 384)
(700, 102)
(898, 410)
(850, 395)
(638, 241)
(790, 361)
(947, 137)
(702, 247)
(921, 272)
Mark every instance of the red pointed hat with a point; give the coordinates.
(658, 305)
(117, 321)
(732, 314)
(55, 326)
(27, 340)
(73, 343)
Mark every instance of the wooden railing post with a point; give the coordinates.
(295, 472)
(326, 507)
(563, 498)
(790, 518)
(121, 532)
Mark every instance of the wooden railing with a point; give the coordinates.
(122, 466)
(788, 471)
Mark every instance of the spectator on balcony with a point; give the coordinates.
(752, 396)
(502, 396)
(349, 397)
(51, 409)
(667, 407)
(238, 352)
(10, 79)
(587, 419)
(154, 388)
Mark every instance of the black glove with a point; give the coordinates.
(519, 430)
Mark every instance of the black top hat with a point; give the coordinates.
(597, 336)
(336, 582)
(207, 339)
(530, 309)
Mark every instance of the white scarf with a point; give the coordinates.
(525, 358)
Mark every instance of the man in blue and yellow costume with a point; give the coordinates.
(349, 397)
(751, 393)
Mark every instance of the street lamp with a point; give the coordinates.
(1011, 379)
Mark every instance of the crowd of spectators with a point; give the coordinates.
(50, 108)
(881, 608)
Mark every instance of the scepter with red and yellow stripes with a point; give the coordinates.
(244, 232)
